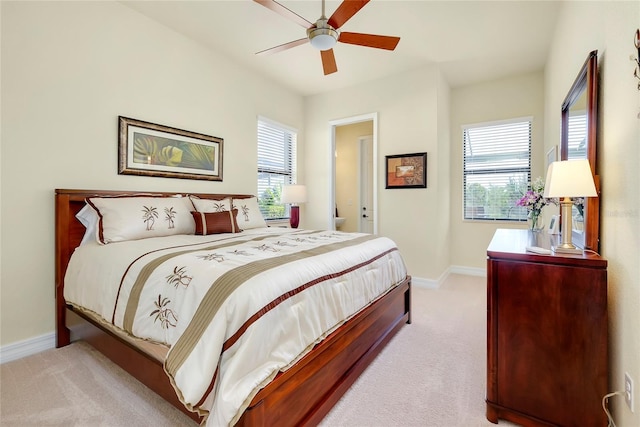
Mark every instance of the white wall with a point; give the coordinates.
(609, 27)
(68, 70)
(440, 164)
(407, 107)
(520, 96)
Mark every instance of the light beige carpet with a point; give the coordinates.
(77, 386)
(431, 374)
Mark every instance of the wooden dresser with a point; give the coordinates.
(547, 358)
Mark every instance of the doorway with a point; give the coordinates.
(359, 208)
(367, 210)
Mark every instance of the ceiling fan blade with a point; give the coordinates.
(328, 61)
(370, 40)
(345, 11)
(283, 11)
(282, 47)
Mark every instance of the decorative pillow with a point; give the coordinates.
(89, 218)
(216, 222)
(210, 205)
(134, 218)
(249, 215)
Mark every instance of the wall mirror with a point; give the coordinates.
(579, 141)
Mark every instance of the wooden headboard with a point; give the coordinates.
(69, 232)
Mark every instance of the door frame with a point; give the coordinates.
(332, 184)
(361, 169)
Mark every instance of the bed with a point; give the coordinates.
(302, 389)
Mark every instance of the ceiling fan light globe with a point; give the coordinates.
(323, 38)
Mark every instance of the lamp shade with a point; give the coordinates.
(294, 194)
(570, 178)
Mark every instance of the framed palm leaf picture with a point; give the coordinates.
(154, 150)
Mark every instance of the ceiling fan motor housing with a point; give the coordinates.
(323, 36)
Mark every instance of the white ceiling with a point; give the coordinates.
(471, 41)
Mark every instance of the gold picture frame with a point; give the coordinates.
(150, 149)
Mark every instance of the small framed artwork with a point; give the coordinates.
(552, 155)
(155, 150)
(407, 170)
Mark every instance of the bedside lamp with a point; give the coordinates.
(567, 179)
(294, 194)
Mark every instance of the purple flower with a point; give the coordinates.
(533, 199)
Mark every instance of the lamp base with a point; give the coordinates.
(295, 216)
(566, 246)
(567, 250)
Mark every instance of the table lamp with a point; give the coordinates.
(294, 194)
(567, 179)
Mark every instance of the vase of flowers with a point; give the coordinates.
(534, 201)
(535, 220)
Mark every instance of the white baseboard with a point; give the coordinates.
(454, 269)
(421, 282)
(468, 271)
(27, 347)
(424, 283)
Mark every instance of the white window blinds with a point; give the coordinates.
(276, 166)
(497, 169)
(577, 135)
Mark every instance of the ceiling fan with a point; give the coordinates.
(324, 34)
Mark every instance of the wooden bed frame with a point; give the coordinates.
(302, 395)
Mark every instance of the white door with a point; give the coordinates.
(366, 185)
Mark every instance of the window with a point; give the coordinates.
(276, 166)
(497, 169)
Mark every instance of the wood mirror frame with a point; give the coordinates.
(582, 100)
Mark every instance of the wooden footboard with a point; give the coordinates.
(302, 395)
(306, 392)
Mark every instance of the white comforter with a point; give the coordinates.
(234, 308)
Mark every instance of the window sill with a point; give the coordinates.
(495, 221)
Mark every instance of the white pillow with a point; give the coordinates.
(134, 218)
(210, 205)
(89, 218)
(249, 215)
